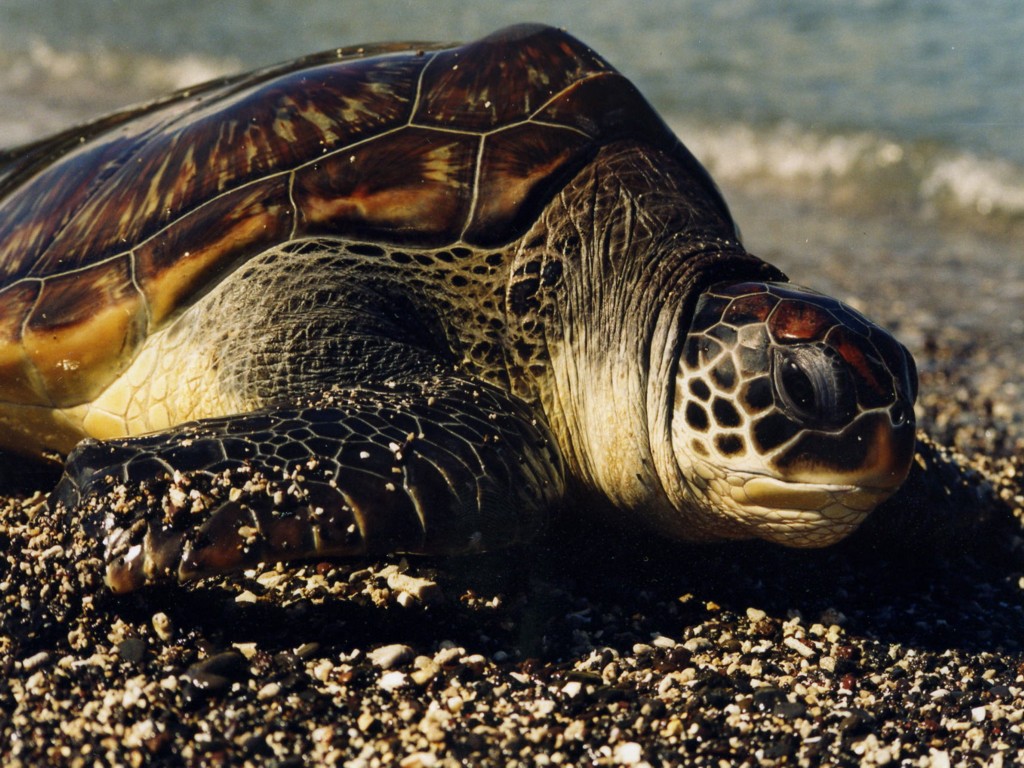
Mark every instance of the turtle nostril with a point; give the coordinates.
(813, 386)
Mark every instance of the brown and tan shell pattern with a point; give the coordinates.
(107, 230)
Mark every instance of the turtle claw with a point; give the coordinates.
(233, 537)
(131, 564)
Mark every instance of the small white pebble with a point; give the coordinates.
(543, 707)
(802, 648)
(662, 641)
(755, 614)
(390, 656)
(419, 760)
(246, 649)
(572, 688)
(268, 691)
(421, 590)
(177, 497)
(391, 681)
(448, 655)
(627, 753)
(245, 597)
(696, 644)
(978, 714)
(35, 660)
(575, 731)
(162, 625)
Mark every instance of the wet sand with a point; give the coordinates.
(902, 646)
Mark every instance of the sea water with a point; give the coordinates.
(873, 148)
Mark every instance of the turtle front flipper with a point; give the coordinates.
(440, 467)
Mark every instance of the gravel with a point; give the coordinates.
(902, 646)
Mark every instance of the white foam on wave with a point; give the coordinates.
(41, 62)
(988, 186)
(45, 89)
(862, 168)
(787, 152)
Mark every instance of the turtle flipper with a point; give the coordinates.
(443, 467)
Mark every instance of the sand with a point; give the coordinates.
(902, 646)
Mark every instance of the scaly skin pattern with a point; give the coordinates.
(418, 301)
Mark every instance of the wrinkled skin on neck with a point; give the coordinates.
(601, 293)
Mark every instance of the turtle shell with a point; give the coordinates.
(108, 230)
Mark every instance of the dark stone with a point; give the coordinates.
(789, 710)
(132, 650)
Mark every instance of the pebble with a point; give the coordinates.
(389, 656)
(419, 760)
(802, 648)
(425, 670)
(391, 681)
(628, 753)
(269, 691)
(34, 661)
(162, 625)
(218, 673)
(131, 650)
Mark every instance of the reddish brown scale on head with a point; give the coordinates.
(754, 308)
(799, 321)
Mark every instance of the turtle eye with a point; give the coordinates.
(813, 386)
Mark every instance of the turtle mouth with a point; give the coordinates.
(795, 513)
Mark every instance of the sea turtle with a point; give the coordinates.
(412, 298)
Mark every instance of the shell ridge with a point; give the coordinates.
(294, 204)
(31, 368)
(573, 85)
(418, 96)
(133, 271)
(475, 197)
(544, 124)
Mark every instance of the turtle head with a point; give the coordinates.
(793, 415)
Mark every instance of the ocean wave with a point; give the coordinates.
(45, 89)
(863, 170)
(36, 62)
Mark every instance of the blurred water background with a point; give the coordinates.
(873, 148)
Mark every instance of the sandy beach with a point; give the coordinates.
(902, 646)
(872, 151)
